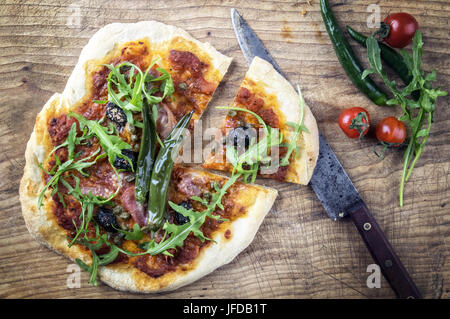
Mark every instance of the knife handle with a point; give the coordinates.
(383, 253)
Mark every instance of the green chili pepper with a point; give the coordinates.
(162, 171)
(347, 57)
(392, 58)
(146, 156)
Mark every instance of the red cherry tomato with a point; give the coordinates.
(391, 130)
(402, 28)
(354, 122)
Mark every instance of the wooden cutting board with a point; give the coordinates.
(298, 252)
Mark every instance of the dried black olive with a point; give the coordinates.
(122, 163)
(181, 219)
(116, 114)
(241, 136)
(106, 219)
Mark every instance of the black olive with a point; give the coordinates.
(122, 163)
(106, 219)
(241, 136)
(181, 219)
(115, 114)
(125, 69)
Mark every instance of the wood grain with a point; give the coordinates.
(298, 252)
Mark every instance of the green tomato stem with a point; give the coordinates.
(419, 152)
(406, 160)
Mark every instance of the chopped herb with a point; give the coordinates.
(128, 90)
(111, 144)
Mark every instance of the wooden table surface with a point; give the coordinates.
(298, 252)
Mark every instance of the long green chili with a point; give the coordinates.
(146, 156)
(162, 171)
(347, 57)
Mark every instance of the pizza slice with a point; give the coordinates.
(269, 131)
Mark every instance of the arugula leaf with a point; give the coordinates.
(93, 244)
(417, 114)
(111, 144)
(128, 90)
(167, 87)
(100, 101)
(175, 235)
(135, 234)
(69, 165)
(203, 201)
(178, 233)
(71, 142)
(87, 201)
(298, 127)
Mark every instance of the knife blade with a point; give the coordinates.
(334, 188)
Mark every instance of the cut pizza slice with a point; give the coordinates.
(268, 131)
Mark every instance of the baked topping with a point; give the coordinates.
(115, 114)
(106, 219)
(241, 136)
(124, 163)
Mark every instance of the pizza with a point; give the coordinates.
(101, 184)
(267, 94)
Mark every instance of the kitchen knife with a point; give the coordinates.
(334, 188)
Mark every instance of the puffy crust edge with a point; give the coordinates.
(41, 226)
